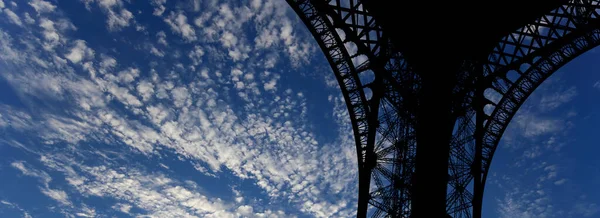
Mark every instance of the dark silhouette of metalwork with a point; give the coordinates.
(429, 101)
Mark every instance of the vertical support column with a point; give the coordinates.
(434, 133)
(364, 182)
(479, 103)
(363, 193)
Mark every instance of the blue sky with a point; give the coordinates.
(546, 164)
(115, 108)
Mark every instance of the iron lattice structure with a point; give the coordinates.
(382, 92)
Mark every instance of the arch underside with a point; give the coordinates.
(361, 58)
(379, 88)
(516, 67)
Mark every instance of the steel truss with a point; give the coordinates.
(380, 91)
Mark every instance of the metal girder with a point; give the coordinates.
(385, 143)
(348, 79)
(384, 122)
(515, 68)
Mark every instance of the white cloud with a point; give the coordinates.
(196, 55)
(244, 210)
(118, 20)
(586, 209)
(560, 181)
(108, 62)
(270, 85)
(79, 52)
(181, 96)
(527, 204)
(45, 178)
(155, 193)
(86, 212)
(125, 208)
(66, 129)
(28, 171)
(178, 23)
(50, 32)
(2, 4)
(57, 195)
(228, 40)
(156, 51)
(159, 7)
(12, 17)
(162, 38)
(109, 3)
(597, 85)
(28, 18)
(556, 99)
(128, 75)
(532, 182)
(11, 118)
(42, 6)
(11, 204)
(193, 114)
(118, 16)
(535, 125)
(145, 89)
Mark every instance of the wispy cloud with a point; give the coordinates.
(45, 179)
(43, 176)
(560, 181)
(159, 7)
(8, 204)
(12, 17)
(42, 6)
(179, 24)
(57, 195)
(586, 209)
(259, 132)
(79, 52)
(117, 16)
(556, 99)
(155, 193)
(537, 118)
(532, 178)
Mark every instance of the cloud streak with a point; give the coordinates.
(223, 117)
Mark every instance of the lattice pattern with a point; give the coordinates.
(364, 30)
(517, 66)
(462, 153)
(534, 40)
(393, 161)
(392, 173)
(515, 95)
(395, 145)
(568, 32)
(383, 122)
(387, 154)
(345, 72)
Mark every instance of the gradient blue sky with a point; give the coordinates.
(117, 108)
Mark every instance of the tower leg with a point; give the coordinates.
(477, 168)
(434, 132)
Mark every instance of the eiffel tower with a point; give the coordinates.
(431, 87)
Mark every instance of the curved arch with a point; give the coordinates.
(384, 144)
(539, 68)
(534, 52)
(346, 73)
(519, 63)
(518, 93)
(341, 63)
